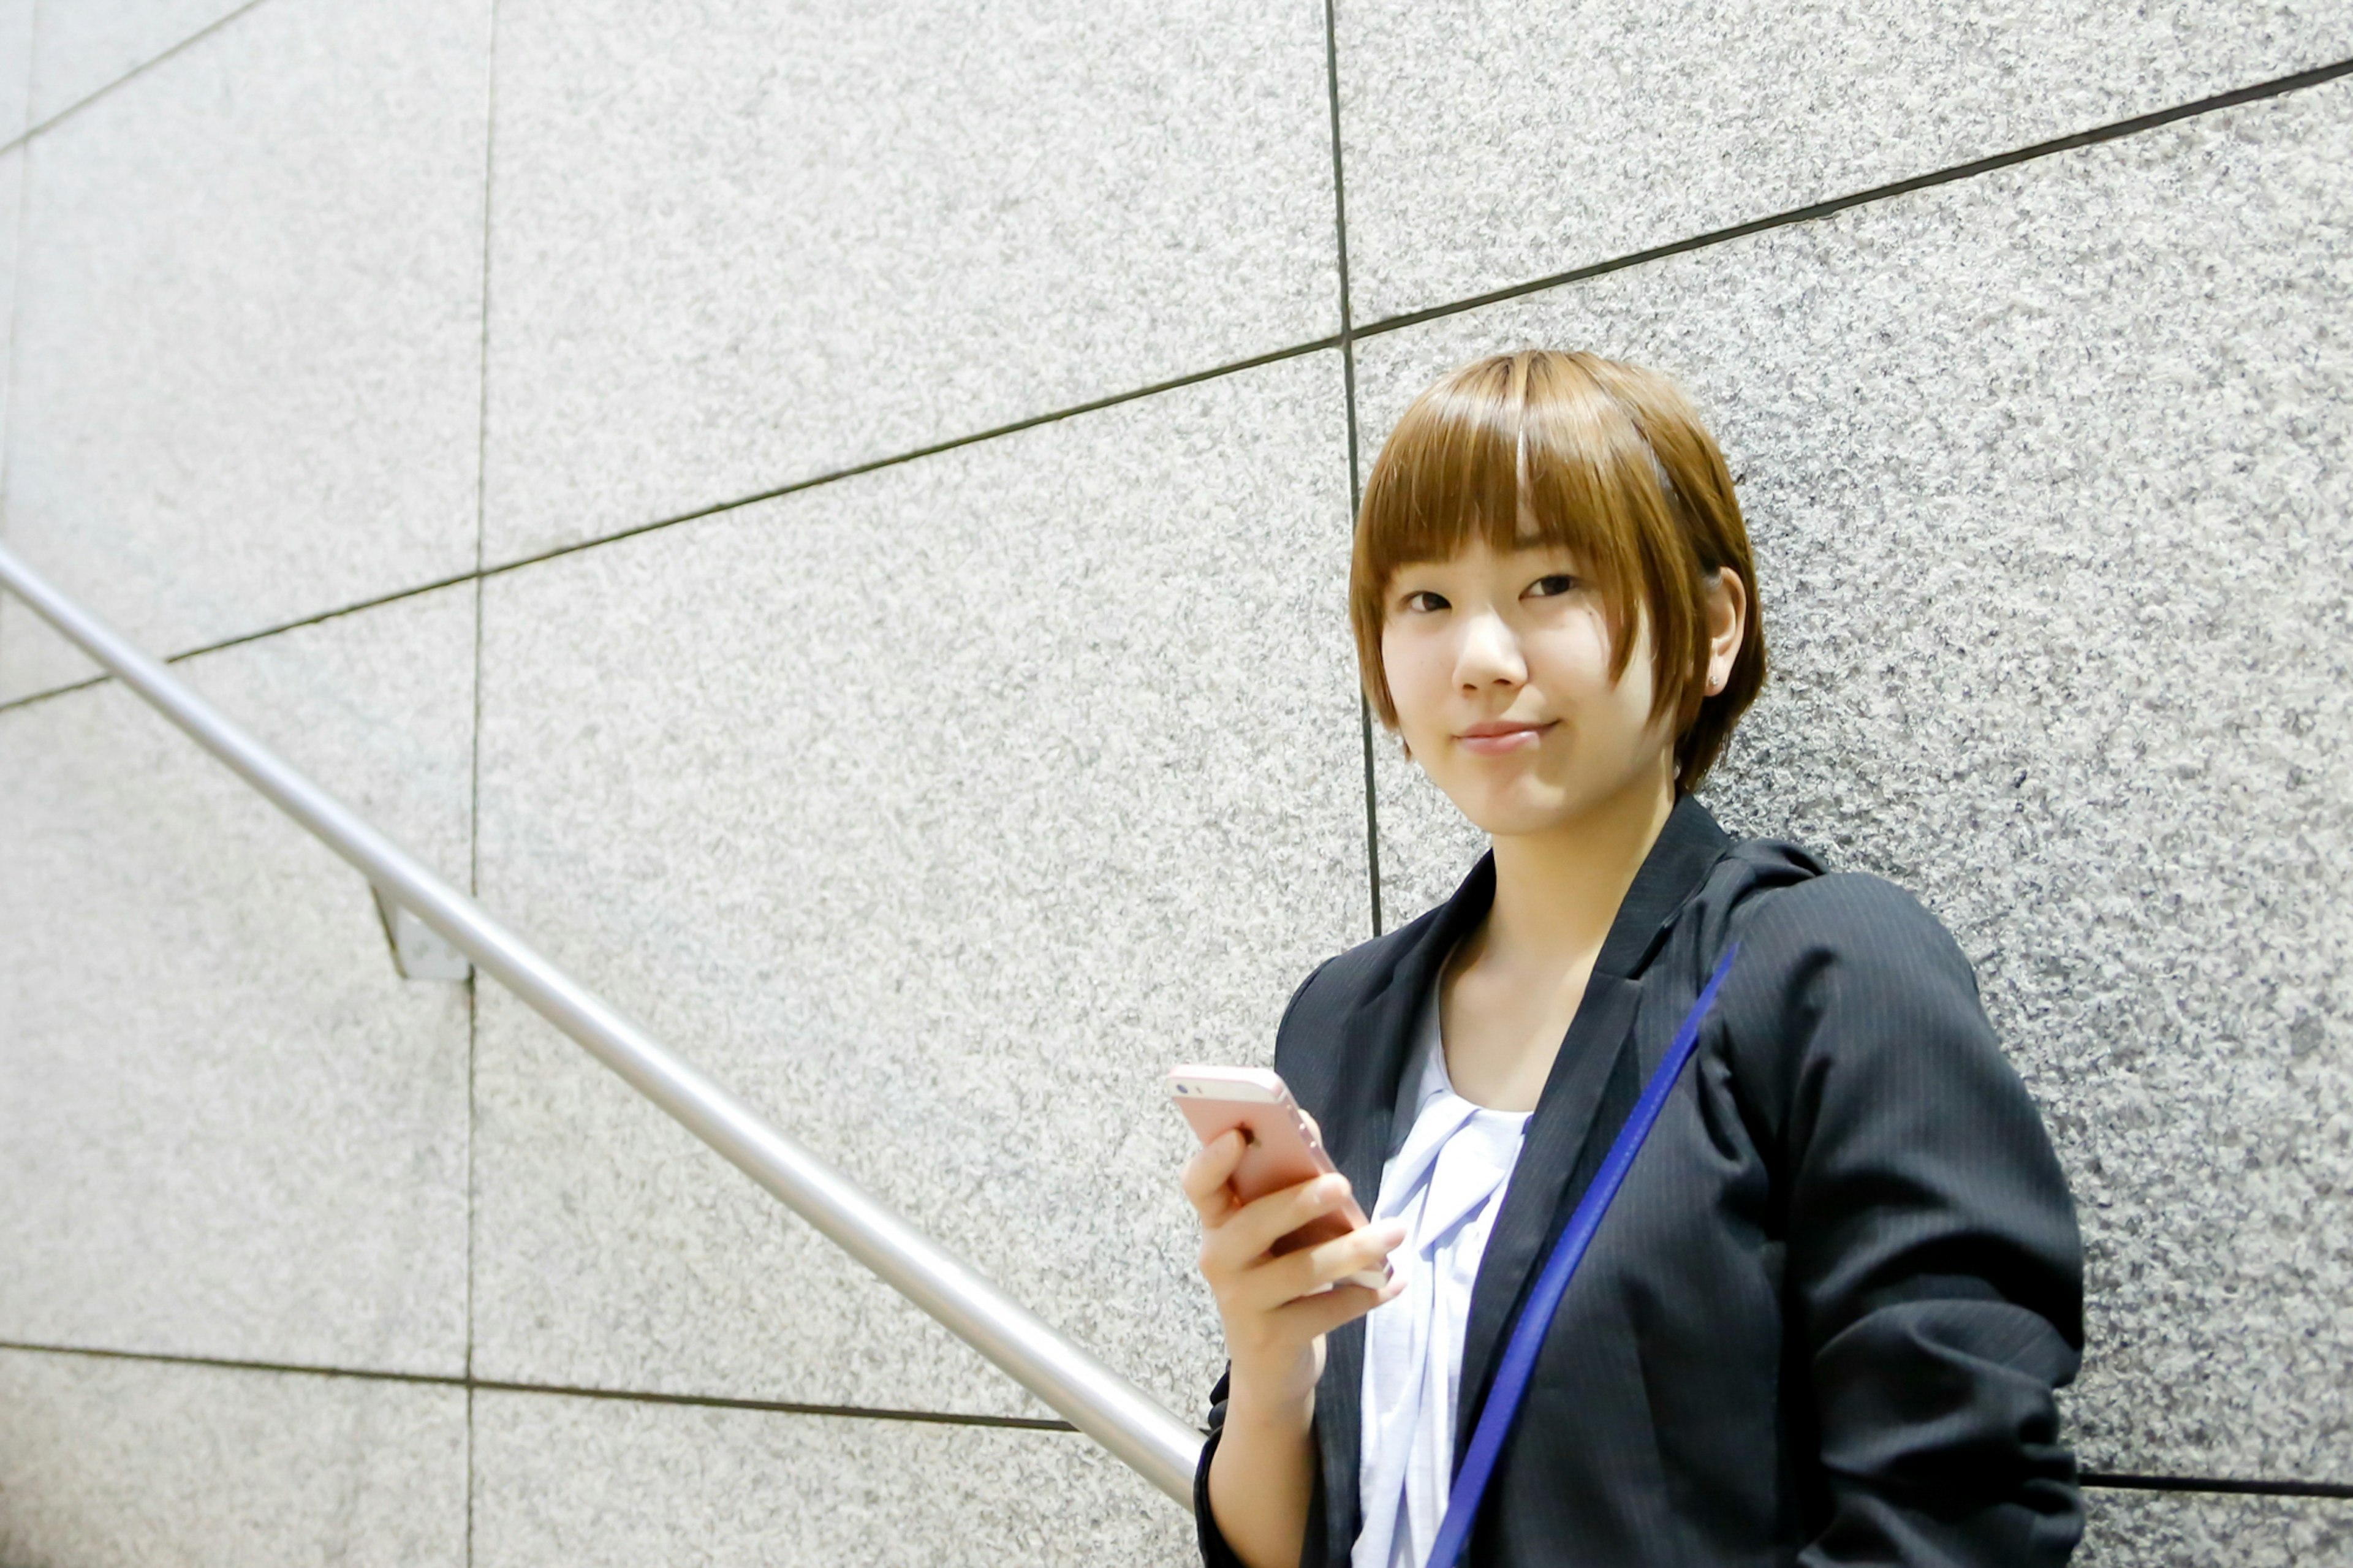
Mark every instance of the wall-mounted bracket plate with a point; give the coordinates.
(418, 951)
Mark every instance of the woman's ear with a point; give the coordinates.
(1728, 618)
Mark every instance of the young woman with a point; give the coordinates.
(1823, 1319)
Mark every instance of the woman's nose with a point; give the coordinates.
(1490, 654)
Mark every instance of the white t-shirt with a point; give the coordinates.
(1446, 1179)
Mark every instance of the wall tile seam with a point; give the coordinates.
(716, 509)
(1350, 334)
(141, 69)
(474, 731)
(1370, 783)
(10, 606)
(1344, 341)
(2212, 1486)
(1355, 481)
(569, 1391)
(2115, 130)
(356, 607)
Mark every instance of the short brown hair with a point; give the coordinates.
(1611, 461)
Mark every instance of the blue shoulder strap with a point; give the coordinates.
(1511, 1384)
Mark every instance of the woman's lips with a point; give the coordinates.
(1494, 740)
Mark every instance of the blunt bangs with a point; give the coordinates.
(1606, 460)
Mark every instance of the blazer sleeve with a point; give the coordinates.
(1934, 1270)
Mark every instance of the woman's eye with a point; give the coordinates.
(1556, 583)
(1424, 600)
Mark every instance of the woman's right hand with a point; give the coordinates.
(1277, 1307)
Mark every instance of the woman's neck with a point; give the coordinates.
(1557, 892)
(1510, 991)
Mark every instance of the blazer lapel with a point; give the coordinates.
(1569, 1134)
(1551, 1173)
(1354, 1097)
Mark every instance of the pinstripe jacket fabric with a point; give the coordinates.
(1823, 1322)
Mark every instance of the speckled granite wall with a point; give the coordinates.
(838, 529)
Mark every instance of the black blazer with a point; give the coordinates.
(1823, 1323)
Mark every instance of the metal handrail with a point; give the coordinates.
(1136, 1428)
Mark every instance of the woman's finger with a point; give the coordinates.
(1204, 1175)
(1269, 1283)
(1258, 1224)
(1327, 1310)
(1309, 1270)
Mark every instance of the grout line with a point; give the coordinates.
(1339, 184)
(377, 603)
(474, 759)
(395, 597)
(1344, 341)
(2103, 1479)
(473, 1038)
(496, 1386)
(1348, 381)
(27, 700)
(1191, 378)
(473, 972)
(1296, 351)
(2113, 132)
(714, 1402)
(229, 1363)
(2214, 1484)
(470, 1477)
(482, 340)
(141, 69)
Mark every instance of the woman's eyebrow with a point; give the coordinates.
(1551, 549)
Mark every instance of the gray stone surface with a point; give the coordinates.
(2204, 1530)
(743, 243)
(1492, 145)
(2050, 476)
(227, 1128)
(561, 1482)
(134, 1464)
(939, 810)
(82, 47)
(247, 379)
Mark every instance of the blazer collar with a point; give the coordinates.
(1594, 1083)
(1363, 1089)
(1687, 846)
(1362, 1098)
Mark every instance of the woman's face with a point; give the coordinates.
(1499, 667)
